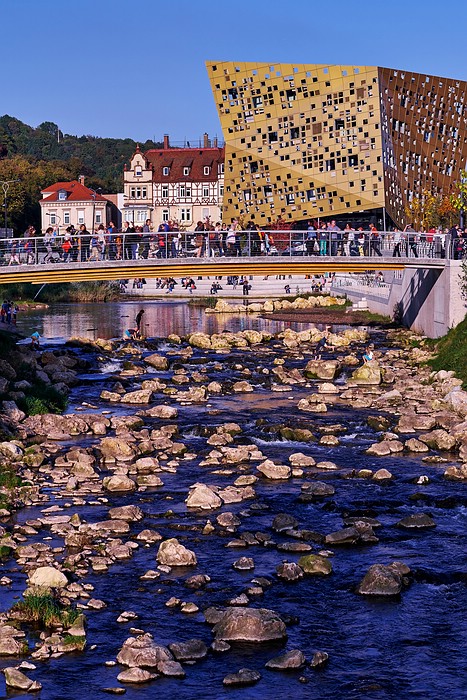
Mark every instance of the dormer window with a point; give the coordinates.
(186, 171)
(138, 171)
(61, 196)
(207, 169)
(165, 170)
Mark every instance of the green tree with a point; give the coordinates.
(459, 195)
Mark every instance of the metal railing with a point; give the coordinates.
(189, 244)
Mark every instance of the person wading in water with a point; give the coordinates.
(139, 318)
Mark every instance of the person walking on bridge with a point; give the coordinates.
(397, 240)
(48, 242)
(375, 240)
(411, 240)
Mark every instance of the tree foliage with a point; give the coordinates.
(431, 211)
(459, 196)
(44, 155)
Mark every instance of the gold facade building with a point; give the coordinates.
(306, 142)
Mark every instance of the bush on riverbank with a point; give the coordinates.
(39, 397)
(42, 398)
(452, 352)
(68, 292)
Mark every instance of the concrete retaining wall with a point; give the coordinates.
(427, 300)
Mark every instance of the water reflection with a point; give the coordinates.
(110, 320)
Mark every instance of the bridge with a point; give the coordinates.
(129, 269)
(45, 260)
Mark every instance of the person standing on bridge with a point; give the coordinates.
(336, 237)
(84, 243)
(323, 240)
(67, 245)
(349, 237)
(375, 240)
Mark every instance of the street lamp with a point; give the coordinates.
(5, 187)
(94, 195)
(56, 216)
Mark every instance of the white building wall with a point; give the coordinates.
(76, 213)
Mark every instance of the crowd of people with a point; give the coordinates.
(330, 239)
(222, 240)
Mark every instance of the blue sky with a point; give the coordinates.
(137, 69)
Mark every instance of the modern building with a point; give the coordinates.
(182, 185)
(354, 143)
(66, 203)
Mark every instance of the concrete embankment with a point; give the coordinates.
(428, 301)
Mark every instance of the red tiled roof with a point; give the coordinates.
(76, 192)
(178, 158)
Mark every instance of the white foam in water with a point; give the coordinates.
(351, 436)
(110, 367)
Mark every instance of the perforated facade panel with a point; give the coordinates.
(314, 141)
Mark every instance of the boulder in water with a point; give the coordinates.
(381, 580)
(289, 661)
(249, 625)
(172, 553)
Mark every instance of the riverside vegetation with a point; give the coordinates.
(64, 292)
(209, 486)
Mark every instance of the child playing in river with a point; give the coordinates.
(368, 356)
(131, 334)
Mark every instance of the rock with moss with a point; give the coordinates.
(367, 374)
(315, 565)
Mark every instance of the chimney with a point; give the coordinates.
(205, 140)
(215, 142)
(81, 179)
(166, 142)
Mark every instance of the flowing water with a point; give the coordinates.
(409, 647)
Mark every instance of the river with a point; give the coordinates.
(409, 647)
(110, 320)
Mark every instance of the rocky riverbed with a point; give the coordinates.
(219, 512)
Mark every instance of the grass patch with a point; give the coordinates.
(371, 317)
(44, 610)
(42, 398)
(452, 352)
(78, 642)
(204, 302)
(4, 551)
(8, 477)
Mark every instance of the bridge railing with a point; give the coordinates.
(85, 248)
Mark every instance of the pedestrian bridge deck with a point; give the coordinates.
(182, 267)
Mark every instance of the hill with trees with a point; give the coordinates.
(40, 156)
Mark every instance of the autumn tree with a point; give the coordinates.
(431, 211)
(459, 196)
